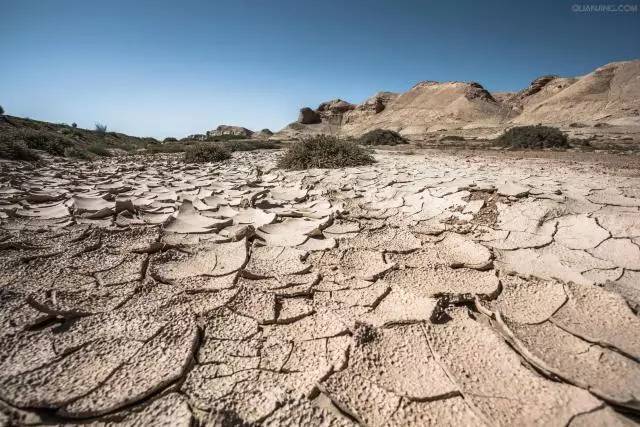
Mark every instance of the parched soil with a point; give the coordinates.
(442, 288)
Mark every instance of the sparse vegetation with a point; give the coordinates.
(364, 333)
(250, 145)
(99, 149)
(324, 151)
(170, 139)
(382, 137)
(101, 129)
(204, 152)
(167, 147)
(222, 138)
(534, 137)
(56, 138)
(16, 150)
(51, 142)
(76, 153)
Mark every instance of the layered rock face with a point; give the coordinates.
(610, 95)
(230, 130)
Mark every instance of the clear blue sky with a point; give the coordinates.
(170, 68)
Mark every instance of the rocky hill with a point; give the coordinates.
(608, 96)
(224, 130)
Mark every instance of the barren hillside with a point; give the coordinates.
(610, 95)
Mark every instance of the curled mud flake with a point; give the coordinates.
(601, 317)
(627, 286)
(515, 300)
(491, 377)
(188, 220)
(606, 373)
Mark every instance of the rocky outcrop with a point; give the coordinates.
(377, 102)
(335, 106)
(610, 94)
(537, 85)
(308, 116)
(230, 130)
(263, 134)
(477, 91)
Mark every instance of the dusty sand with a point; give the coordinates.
(441, 288)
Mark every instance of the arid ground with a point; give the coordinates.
(433, 288)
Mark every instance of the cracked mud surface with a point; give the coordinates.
(435, 290)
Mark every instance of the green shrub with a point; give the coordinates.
(381, 137)
(169, 147)
(76, 153)
(99, 149)
(51, 142)
(534, 137)
(16, 150)
(324, 151)
(1, 110)
(74, 125)
(206, 152)
(170, 139)
(222, 138)
(250, 145)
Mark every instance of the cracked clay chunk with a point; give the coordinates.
(436, 281)
(622, 252)
(364, 264)
(454, 250)
(604, 372)
(300, 412)
(275, 261)
(492, 378)
(364, 400)
(579, 232)
(602, 417)
(161, 360)
(401, 306)
(601, 317)
(451, 412)
(322, 324)
(223, 323)
(67, 378)
(528, 300)
(399, 359)
(209, 260)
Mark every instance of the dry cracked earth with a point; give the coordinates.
(422, 290)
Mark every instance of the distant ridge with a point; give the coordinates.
(610, 95)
